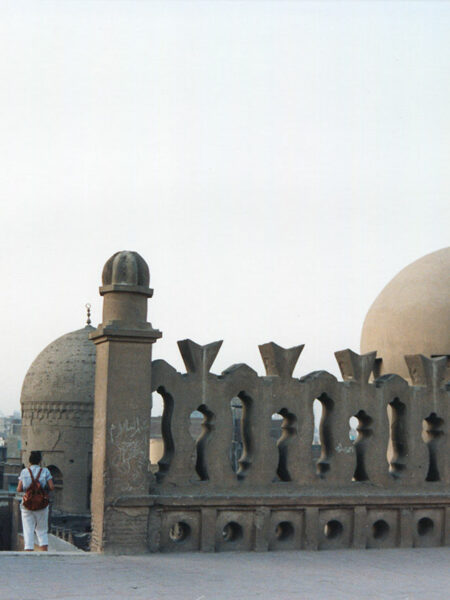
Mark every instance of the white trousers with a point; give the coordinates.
(34, 521)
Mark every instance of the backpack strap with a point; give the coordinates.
(31, 474)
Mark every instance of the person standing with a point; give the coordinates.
(35, 520)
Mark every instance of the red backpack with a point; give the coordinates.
(35, 498)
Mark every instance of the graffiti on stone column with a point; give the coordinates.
(131, 460)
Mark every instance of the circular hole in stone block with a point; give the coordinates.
(284, 531)
(425, 526)
(232, 532)
(380, 529)
(333, 529)
(179, 532)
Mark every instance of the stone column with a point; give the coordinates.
(122, 406)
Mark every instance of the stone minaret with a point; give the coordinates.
(122, 405)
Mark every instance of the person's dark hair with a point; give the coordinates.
(35, 457)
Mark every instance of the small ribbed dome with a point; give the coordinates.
(126, 268)
(412, 314)
(64, 371)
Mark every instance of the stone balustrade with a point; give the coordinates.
(387, 487)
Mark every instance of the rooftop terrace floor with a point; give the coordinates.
(368, 574)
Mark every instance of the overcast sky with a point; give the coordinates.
(276, 164)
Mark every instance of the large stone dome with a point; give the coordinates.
(64, 371)
(57, 416)
(411, 315)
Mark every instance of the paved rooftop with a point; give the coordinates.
(372, 574)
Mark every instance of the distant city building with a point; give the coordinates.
(10, 451)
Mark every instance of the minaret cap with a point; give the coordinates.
(126, 271)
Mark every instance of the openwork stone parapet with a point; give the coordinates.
(401, 440)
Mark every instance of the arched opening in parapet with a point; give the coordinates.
(156, 446)
(166, 435)
(360, 431)
(353, 433)
(397, 447)
(200, 427)
(322, 441)
(241, 445)
(431, 434)
(195, 424)
(57, 477)
(237, 445)
(317, 414)
(283, 429)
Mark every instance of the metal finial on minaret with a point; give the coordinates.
(88, 310)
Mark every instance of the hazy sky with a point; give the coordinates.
(276, 164)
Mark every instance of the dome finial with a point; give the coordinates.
(126, 271)
(88, 311)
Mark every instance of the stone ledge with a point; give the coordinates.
(344, 499)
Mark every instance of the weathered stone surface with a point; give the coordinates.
(355, 367)
(280, 361)
(427, 371)
(198, 359)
